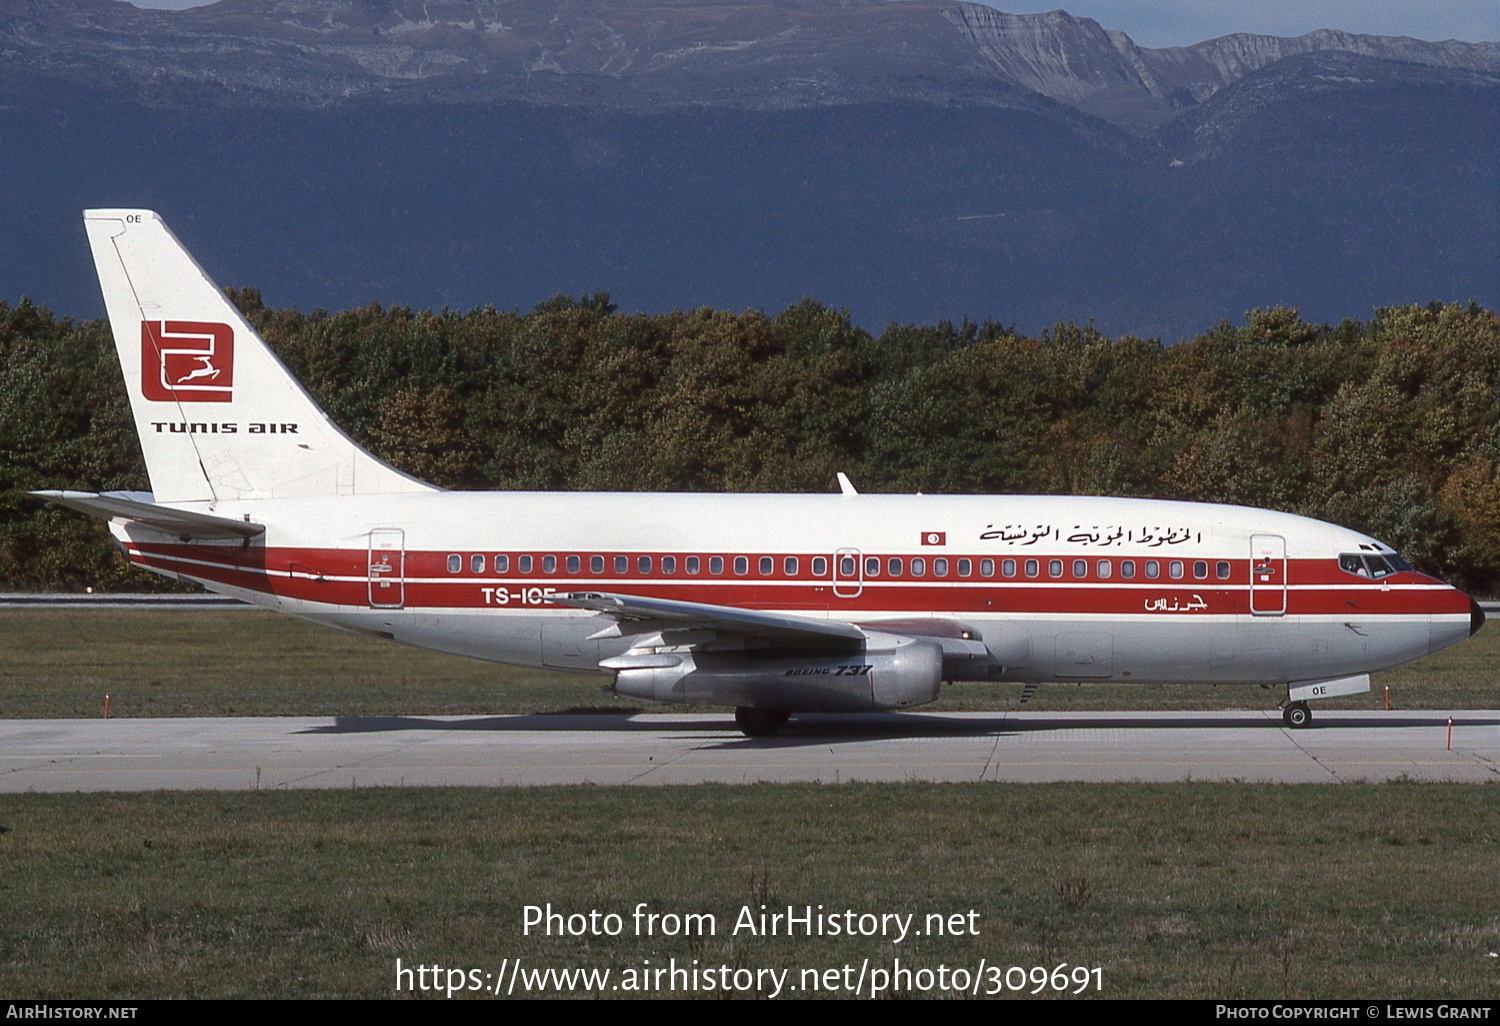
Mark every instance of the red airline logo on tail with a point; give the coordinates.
(187, 361)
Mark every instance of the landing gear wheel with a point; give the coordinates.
(759, 722)
(1297, 715)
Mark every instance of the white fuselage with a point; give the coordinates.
(1057, 588)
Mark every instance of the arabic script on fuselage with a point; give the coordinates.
(1175, 604)
(1095, 536)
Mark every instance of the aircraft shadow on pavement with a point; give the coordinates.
(829, 729)
(821, 728)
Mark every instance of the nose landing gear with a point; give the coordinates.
(1296, 715)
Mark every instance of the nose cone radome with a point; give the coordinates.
(1476, 618)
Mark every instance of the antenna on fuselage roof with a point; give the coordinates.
(846, 486)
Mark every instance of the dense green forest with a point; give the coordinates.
(1391, 426)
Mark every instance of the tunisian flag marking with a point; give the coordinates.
(934, 537)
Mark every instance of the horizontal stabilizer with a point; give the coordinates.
(141, 508)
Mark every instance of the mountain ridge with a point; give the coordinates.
(747, 153)
(653, 54)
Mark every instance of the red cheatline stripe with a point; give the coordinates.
(295, 573)
(428, 564)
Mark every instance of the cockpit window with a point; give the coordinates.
(1372, 565)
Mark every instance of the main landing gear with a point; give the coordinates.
(759, 722)
(1297, 715)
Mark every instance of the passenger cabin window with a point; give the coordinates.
(1221, 569)
(987, 568)
(573, 564)
(872, 566)
(1174, 569)
(1103, 568)
(1080, 568)
(1008, 567)
(690, 564)
(643, 564)
(502, 564)
(846, 566)
(893, 567)
(940, 567)
(1054, 568)
(918, 567)
(1200, 569)
(767, 566)
(716, 564)
(622, 564)
(596, 564)
(741, 565)
(476, 564)
(819, 566)
(523, 564)
(455, 563)
(965, 567)
(669, 565)
(1153, 569)
(1127, 569)
(1032, 568)
(549, 564)
(789, 566)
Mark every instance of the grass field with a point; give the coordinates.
(60, 663)
(1200, 891)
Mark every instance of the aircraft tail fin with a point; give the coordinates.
(219, 416)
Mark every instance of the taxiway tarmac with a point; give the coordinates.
(328, 752)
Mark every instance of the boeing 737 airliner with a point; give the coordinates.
(773, 604)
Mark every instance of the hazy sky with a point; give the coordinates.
(1180, 22)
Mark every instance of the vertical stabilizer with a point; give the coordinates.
(219, 417)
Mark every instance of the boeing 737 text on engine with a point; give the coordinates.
(773, 604)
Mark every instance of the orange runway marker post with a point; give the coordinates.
(106, 705)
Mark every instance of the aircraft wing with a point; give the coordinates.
(635, 616)
(686, 651)
(141, 508)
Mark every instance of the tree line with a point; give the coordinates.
(1390, 426)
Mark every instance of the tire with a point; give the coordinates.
(759, 722)
(1297, 716)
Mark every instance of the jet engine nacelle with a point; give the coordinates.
(888, 673)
